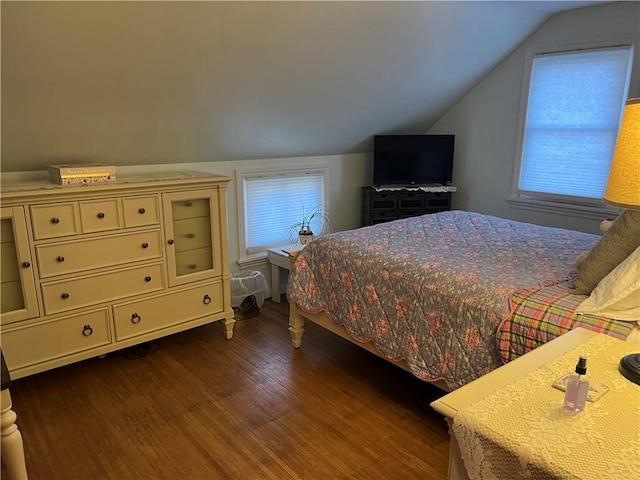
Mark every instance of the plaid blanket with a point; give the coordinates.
(542, 314)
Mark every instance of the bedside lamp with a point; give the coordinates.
(623, 186)
(623, 190)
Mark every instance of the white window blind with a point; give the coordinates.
(574, 109)
(273, 203)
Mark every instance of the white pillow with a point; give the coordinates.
(617, 295)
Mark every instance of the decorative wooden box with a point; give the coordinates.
(81, 174)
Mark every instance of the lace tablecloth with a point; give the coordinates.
(523, 431)
(424, 188)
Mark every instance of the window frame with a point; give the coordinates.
(559, 204)
(245, 259)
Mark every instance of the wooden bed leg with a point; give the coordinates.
(12, 447)
(296, 326)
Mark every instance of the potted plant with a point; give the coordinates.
(302, 231)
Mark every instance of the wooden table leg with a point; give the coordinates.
(275, 283)
(11, 440)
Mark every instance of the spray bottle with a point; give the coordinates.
(577, 387)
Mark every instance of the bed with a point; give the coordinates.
(448, 296)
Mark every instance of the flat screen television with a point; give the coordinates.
(412, 159)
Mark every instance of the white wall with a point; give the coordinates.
(485, 120)
(144, 83)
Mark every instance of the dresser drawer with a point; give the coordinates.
(12, 296)
(9, 270)
(191, 208)
(192, 233)
(6, 232)
(100, 215)
(57, 220)
(142, 316)
(76, 256)
(193, 261)
(89, 290)
(32, 344)
(140, 211)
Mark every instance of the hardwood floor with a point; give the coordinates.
(202, 407)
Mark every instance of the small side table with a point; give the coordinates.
(450, 404)
(279, 259)
(485, 405)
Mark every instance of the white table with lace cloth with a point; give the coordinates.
(522, 430)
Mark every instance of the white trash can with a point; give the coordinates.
(248, 289)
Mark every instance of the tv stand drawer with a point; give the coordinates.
(411, 201)
(439, 201)
(384, 201)
(384, 206)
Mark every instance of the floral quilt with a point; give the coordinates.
(432, 290)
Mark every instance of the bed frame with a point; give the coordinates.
(297, 317)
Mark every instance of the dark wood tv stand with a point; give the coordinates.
(381, 205)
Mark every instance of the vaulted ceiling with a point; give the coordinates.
(156, 82)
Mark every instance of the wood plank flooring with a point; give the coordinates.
(202, 407)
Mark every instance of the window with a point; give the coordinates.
(573, 103)
(270, 201)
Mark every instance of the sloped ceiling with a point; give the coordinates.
(164, 82)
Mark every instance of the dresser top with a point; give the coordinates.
(33, 189)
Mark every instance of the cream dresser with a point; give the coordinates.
(90, 269)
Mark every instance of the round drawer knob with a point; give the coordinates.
(55, 220)
(26, 264)
(171, 241)
(145, 245)
(87, 331)
(141, 210)
(206, 300)
(64, 296)
(60, 258)
(101, 215)
(135, 318)
(147, 279)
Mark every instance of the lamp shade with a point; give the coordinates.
(623, 187)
